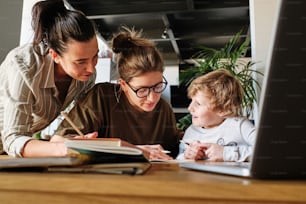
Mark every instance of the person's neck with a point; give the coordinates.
(60, 75)
(215, 125)
(62, 82)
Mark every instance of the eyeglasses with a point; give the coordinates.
(145, 91)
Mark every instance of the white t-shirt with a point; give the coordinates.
(236, 134)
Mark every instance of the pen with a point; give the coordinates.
(71, 123)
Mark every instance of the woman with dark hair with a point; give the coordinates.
(132, 109)
(40, 79)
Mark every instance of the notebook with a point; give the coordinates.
(280, 148)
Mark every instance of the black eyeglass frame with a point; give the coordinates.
(136, 91)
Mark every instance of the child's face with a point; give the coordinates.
(202, 115)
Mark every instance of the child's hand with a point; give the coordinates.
(214, 152)
(195, 151)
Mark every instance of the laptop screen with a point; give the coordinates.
(280, 150)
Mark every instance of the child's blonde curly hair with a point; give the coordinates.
(224, 90)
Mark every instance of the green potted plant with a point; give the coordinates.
(228, 57)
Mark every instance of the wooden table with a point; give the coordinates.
(163, 183)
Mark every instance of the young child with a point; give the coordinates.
(218, 131)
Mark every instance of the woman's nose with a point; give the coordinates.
(153, 96)
(91, 67)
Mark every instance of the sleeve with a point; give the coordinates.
(239, 153)
(181, 153)
(244, 151)
(182, 147)
(83, 88)
(87, 114)
(172, 134)
(17, 99)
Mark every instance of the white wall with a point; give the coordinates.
(26, 34)
(10, 21)
(262, 19)
(172, 75)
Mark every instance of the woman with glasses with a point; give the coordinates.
(132, 109)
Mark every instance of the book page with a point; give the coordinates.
(107, 145)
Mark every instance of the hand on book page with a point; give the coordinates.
(156, 152)
(59, 138)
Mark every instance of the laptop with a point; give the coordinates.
(280, 147)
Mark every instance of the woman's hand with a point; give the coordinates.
(92, 135)
(55, 147)
(155, 152)
(58, 138)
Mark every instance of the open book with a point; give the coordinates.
(106, 145)
(101, 155)
(106, 150)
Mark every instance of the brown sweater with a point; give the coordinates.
(100, 111)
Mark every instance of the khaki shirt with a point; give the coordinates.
(28, 96)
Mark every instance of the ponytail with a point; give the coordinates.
(54, 25)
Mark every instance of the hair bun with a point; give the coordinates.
(122, 43)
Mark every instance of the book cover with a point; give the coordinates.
(132, 168)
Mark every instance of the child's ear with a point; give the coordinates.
(223, 114)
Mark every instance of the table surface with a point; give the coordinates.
(163, 183)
